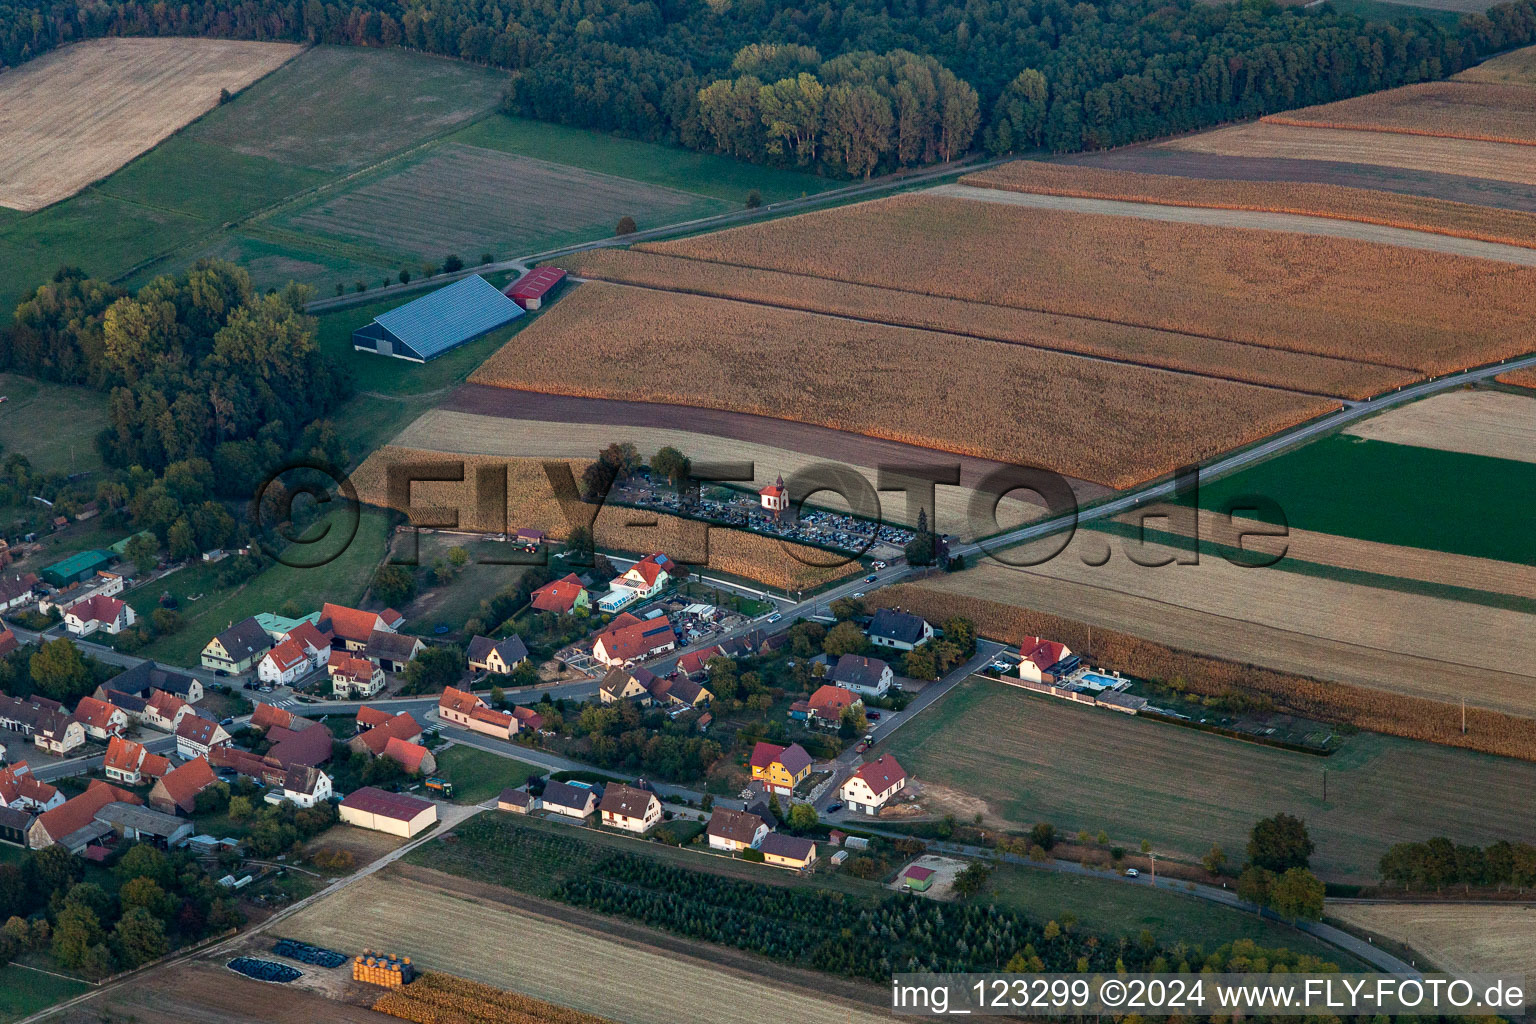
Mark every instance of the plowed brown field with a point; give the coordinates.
(1395, 306)
(1462, 220)
(936, 390)
(1483, 111)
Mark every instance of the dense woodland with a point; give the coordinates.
(854, 86)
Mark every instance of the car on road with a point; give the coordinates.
(227, 721)
(873, 716)
(870, 578)
(861, 748)
(858, 594)
(775, 617)
(1132, 873)
(869, 737)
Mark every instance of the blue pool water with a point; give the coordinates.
(1101, 681)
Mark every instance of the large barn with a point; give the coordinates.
(435, 323)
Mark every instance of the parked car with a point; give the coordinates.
(861, 748)
(834, 807)
(878, 565)
(1132, 873)
(869, 737)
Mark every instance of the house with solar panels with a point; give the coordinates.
(433, 324)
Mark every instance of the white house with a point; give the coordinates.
(283, 664)
(570, 801)
(628, 808)
(165, 711)
(900, 631)
(304, 786)
(646, 578)
(869, 677)
(353, 677)
(99, 612)
(1039, 657)
(872, 786)
(734, 831)
(196, 735)
(102, 720)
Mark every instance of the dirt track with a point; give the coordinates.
(1255, 220)
(1491, 423)
(206, 992)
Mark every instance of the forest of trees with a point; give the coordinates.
(855, 86)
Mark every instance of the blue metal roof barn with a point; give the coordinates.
(435, 323)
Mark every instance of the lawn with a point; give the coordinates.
(53, 425)
(1397, 494)
(274, 261)
(207, 608)
(479, 775)
(1033, 758)
(672, 166)
(1107, 906)
(24, 992)
(209, 182)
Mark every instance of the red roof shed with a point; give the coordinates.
(529, 290)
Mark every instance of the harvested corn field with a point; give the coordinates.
(1519, 378)
(531, 501)
(1457, 157)
(1477, 422)
(1451, 110)
(437, 998)
(1517, 67)
(1085, 336)
(1392, 209)
(923, 388)
(76, 115)
(1479, 938)
(1407, 308)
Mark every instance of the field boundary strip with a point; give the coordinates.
(1346, 126)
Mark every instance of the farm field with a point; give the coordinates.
(521, 952)
(1461, 157)
(79, 113)
(1079, 335)
(53, 425)
(610, 341)
(1463, 220)
(531, 501)
(1519, 378)
(1271, 636)
(1463, 939)
(206, 992)
(479, 775)
(1034, 758)
(1374, 490)
(24, 992)
(447, 431)
(1517, 67)
(1456, 110)
(1398, 307)
(465, 199)
(1488, 423)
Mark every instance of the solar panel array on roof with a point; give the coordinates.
(435, 323)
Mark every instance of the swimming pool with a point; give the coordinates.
(1098, 681)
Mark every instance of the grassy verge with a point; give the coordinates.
(479, 775)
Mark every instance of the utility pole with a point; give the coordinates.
(1154, 869)
(1463, 714)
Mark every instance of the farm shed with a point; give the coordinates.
(435, 323)
(76, 567)
(530, 290)
(394, 813)
(918, 879)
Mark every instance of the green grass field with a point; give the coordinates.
(207, 608)
(229, 185)
(479, 775)
(1107, 906)
(1033, 758)
(53, 425)
(1397, 494)
(24, 992)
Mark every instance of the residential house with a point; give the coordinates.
(679, 692)
(517, 801)
(413, 757)
(146, 677)
(872, 786)
(625, 684)
(72, 824)
(825, 707)
(21, 790)
(392, 651)
(265, 716)
(303, 785)
(868, 677)
(43, 721)
(646, 578)
(101, 720)
(900, 631)
(315, 644)
(305, 743)
(462, 708)
(628, 808)
(780, 769)
(634, 641)
(784, 851)
(16, 590)
(352, 628)
(498, 657)
(1040, 657)
(568, 801)
(176, 792)
(131, 706)
(283, 664)
(237, 649)
(734, 831)
(565, 596)
(165, 711)
(15, 822)
(353, 677)
(696, 663)
(131, 763)
(392, 813)
(196, 735)
(99, 612)
(372, 739)
(527, 718)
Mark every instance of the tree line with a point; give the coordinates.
(855, 86)
(1440, 863)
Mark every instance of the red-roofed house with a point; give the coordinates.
(413, 757)
(868, 789)
(371, 718)
(309, 744)
(352, 626)
(775, 497)
(165, 711)
(527, 718)
(645, 578)
(825, 706)
(267, 715)
(196, 735)
(353, 677)
(176, 793)
(463, 708)
(130, 763)
(107, 614)
(637, 641)
(283, 664)
(696, 663)
(1039, 655)
(61, 824)
(315, 643)
(564, 596)
(19, 790)
(101, 720)
(375, 738)
(780, 769)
